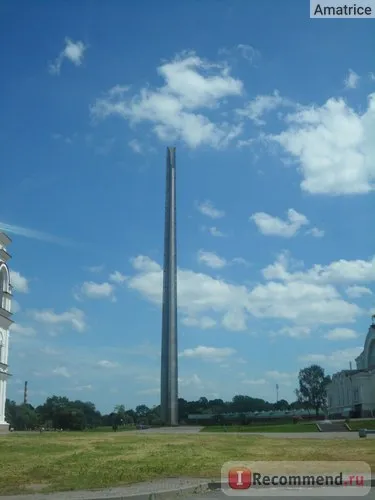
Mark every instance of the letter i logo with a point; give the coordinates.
(239, 478)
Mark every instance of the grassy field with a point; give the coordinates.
(75, 461)
(300, 427)
(355, 425)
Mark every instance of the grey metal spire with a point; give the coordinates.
(169, 367)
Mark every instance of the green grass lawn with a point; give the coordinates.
(356, 425)
(300, 427)
(92, 460)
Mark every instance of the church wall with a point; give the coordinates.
(368, 392)
(5, 304)
(348, 391)
(354, 390)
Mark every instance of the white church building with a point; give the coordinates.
(5, 322)
(352, 392)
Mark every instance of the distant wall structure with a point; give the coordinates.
(259, 417)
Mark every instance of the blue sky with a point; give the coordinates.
(271, 113)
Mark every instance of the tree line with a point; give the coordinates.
(59, 412)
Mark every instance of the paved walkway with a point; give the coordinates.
(188, 429)
(160, 489)
(219, 495)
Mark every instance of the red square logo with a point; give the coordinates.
(239, 478)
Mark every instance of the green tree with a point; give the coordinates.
(281, 405)
(10, 412)
(21, 417)
(312, 391)
(142, 411)
(120, 416)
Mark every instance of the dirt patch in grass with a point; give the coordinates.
(91, 461)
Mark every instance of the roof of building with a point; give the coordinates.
(4, 239)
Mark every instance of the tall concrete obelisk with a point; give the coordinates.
(169, 368)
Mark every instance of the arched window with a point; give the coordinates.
(4, 284)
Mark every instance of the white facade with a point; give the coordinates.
(5, 322)
(353, 391)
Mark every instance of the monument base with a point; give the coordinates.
(4, 428)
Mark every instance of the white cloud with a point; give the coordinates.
(216, 354)
(61, 137)
(240, 261)
(145, 264)
(282, 377)
(351, 80)
(214, 231)
(49, 351)
(117, 277)
(207, 208)
(188, 386)
(341, 334)
(294, 332)
(94, 290)
(303, 303)
(15, 306)
(204, 322)
(31, 233)
(104, 363)
(19, 282)
(210, 259)
(317, 233)
(274, 226)
(355, 291)
(248, 52)
(259, 381)
(340, 271)
(262, 104)
(95, 269)
(235, 320)
(334, 147)
(176, 109)
(337, 359)
(189, 381)
(135, 146)
(150, 392)
(18, 329)
(75, 318)
(81, 388)
(61, 371)
(73, 52)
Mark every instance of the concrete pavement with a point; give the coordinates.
(183, 489)
(219, 495)
(161, 489)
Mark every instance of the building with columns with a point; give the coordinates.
(5, 322)
(352, 392)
